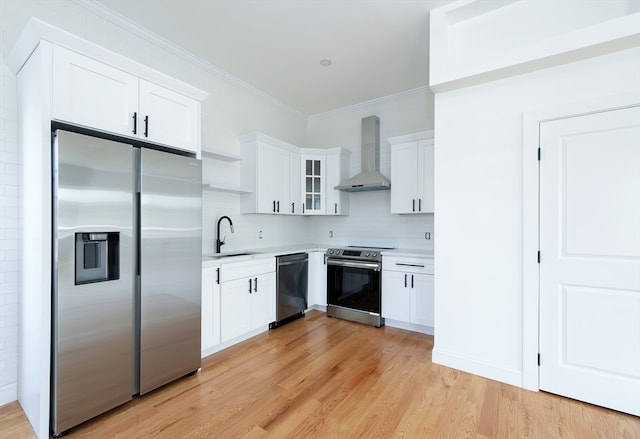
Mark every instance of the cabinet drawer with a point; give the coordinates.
(408, 264)
(238, 270)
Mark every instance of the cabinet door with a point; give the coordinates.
(280, 181)
(425, 175)
(295, 206)
(422, 299)
(317, 285)
(265, 176)
(89, 93)
(335, 205)
(263, 300)
(404, 177)
(168, 117)
(210, 308)
(235, 308)
(396, 295)
(313, 184)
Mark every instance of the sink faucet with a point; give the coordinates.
(220, 242)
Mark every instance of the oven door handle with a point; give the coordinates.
(354, 264)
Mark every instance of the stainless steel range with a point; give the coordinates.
(354, 284)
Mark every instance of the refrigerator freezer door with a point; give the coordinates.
(93, 297)
(170, 267)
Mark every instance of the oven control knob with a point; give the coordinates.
(330, 252)
(374, 254)
(367, 254)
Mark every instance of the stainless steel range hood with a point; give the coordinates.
(369, 178)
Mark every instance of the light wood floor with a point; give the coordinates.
(327, 378)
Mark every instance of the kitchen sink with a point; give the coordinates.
(229, 255)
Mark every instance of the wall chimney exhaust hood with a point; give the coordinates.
(369, 178)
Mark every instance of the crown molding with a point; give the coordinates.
(144, 33)
(414, 92)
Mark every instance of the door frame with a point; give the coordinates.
(532, 119)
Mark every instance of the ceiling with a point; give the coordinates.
(377, 47)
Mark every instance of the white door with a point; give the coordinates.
(590, 258)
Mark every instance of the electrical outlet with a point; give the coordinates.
(260, 234)
(427, 235)
(330, 233)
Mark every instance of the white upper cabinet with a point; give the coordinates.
(168, 117)
(266, 168)
(313, 172)
(96, 95)
(295, 201)
(321, 171)
(412, 173)
(337, 171)
(289, 180)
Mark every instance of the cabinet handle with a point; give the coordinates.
(135, 122)
(278, 204)
(250, 286)
(335, 209)
(405, 280)
(218, 275)
(412, 281)
(255, 284)
(414, 205)
(303, 207)
(293, 210)
(419, 204)
(274, 206)
(146, 126)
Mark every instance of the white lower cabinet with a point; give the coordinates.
(317, 284)
(247, 297)
(407, 290)
(210, 308)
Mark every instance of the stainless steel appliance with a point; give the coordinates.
(126, 273)
(354, 284)
(291, 287)
(370, 178)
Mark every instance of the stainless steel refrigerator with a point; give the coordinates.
(127, 228)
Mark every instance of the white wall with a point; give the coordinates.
(369, 221)
(478, 197)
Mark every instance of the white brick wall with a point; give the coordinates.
(8, 222)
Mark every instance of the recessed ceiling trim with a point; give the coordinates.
(180, 52)
(418, 91)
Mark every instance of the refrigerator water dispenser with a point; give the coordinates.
(97, 257)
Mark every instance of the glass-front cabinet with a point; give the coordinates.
(313, 183)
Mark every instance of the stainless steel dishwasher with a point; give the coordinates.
(291, 287)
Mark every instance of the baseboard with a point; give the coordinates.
(481, 368)
(8, 393)
(408, 326)
(229, 343)
(322, 308)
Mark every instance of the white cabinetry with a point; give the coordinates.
(313, 172)
(96, 95)
(407, 289)
(317, 289)
(321, 170)
(337, 171)
(210, 309)
(412, 173)
(248, 297)
(266, 168)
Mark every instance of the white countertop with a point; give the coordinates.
(268, 252)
